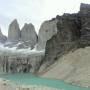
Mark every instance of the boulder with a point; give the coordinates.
(28, 35)
(14, 32)
(47, 30)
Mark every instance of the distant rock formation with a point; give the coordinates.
(47, 30)
(3, 38)
(24, 38)
(14, 32)
(28, 35)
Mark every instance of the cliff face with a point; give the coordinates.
(85, 24)
(73, 32)
(14, 32)
(47, 30)
(29, 35)
(66, 39)
(19, 62)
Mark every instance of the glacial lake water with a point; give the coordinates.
(28, 79)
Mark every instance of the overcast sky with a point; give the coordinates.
(34, 11)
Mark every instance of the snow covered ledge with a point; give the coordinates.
(14, 60)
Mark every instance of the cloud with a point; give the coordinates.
(34, 11)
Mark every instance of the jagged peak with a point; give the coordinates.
(14, 22)
(26, 25)
(84, 6)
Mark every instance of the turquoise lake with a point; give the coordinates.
(29, 79)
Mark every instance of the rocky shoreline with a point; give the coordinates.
(8, 85)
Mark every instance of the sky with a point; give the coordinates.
(34, 11)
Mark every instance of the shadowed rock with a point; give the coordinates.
(2, 37)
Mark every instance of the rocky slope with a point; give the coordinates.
(73, 68)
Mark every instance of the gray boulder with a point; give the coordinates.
(28, 35)
(47, 30)
(14, 32)
(3, 38)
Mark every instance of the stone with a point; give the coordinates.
(28, 35)
(3, 38)
(14, 32)
(47, 30)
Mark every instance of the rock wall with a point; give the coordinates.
(47, 30)
(73, 33)
(84, 14)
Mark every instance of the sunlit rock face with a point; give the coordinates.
(47, 30)
(2, 37)
(14, 32)
(28, 35)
